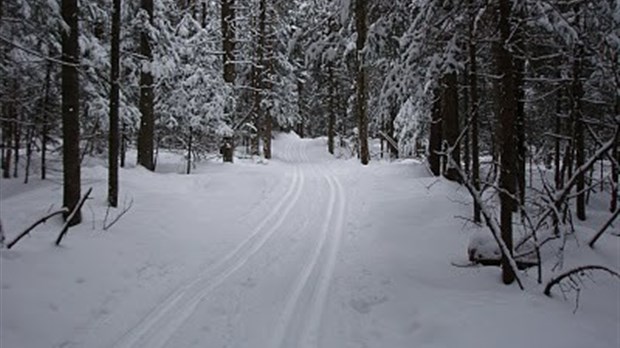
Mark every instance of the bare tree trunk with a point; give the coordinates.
(147, 121)
(520, 131)
(450, 116)
(473, 110)
(393, 150)
(362, 102)
(7, 135)
(29, 140)
(16, 142)
(228, 39)
(300, 124)
(577, 96)
(436, 135)
(113, 134)
(268, 84)
(71, 112)
(123, 139)
(507, 103)
(257, 79)
(331, 123)
(615, 171)
(558, 149)
(189, 151)
(44, 124)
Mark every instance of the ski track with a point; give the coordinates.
(300, 327)
(160, 324)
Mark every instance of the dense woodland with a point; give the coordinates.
(518, 101)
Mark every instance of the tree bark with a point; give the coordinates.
(558, 130)
(268, 84)
(29, 141)
(228, 39)
(507, 104)
(331, 123)
(577, 96)
(362, 102)
(71, 112)
(189, 151)
(147, 120)
(300, 107)
(44, 122)
(113, 135)
(123, 139)
(473, 110)
(436, 135)
(450, 116)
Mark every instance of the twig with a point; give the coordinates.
(578, 270)
(37, 223)
(604, 228)
(118, 217)
(77, 208)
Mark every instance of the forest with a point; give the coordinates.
(510, 107)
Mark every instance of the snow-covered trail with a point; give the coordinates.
(304, 251)
(291, 251)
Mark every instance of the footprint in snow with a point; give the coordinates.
(364, 306)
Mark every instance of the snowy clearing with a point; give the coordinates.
(300, 251)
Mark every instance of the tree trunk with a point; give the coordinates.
(331, 123)
(71, 111)
(113, 134)
(300, 124)
(123, 139)
(473, 110)
(257, 79)
(29, 140)
(362, 102)
(507, 104)
(189, 151)
(393, 150)
(450, 116)
(615, 174)
(577, 95)
(147, 120)
(436, 135)
(228, 39)
(44, 122)
(520, 131)
(558, 148)
(16, 142)
(7, 135)
(268, 76)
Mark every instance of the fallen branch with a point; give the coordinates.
(490, 221)
(577, 272)
(118, 217)
(77, 208)
(604, 228)
(37, 223)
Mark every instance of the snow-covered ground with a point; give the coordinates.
(300, 251)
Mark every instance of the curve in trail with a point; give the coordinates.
(158, 326)
(286, 321)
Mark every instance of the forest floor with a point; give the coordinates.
(300, 251)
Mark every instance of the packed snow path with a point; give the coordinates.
(303, 251)
(279, 239)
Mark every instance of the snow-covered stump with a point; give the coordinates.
(484, 250)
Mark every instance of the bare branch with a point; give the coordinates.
(77, 208)
(118, 217)
(604, 228)
(37, 223)
(577, 271)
